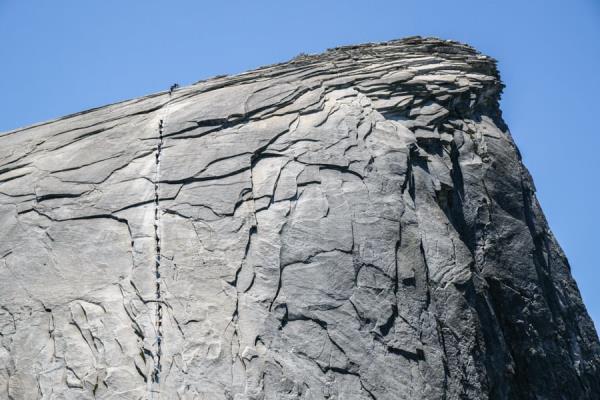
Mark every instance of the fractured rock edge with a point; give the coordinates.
(354, 225)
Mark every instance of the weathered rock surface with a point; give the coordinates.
(351, 225)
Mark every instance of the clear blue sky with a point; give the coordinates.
(59, 57)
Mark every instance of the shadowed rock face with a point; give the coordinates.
(351, 225)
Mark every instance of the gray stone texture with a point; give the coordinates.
(351, 225)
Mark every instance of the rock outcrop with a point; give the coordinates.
(351, 225)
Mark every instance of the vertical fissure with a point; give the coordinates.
(159, 309)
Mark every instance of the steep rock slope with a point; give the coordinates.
(351, 225)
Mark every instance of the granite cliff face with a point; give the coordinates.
(351, 225)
